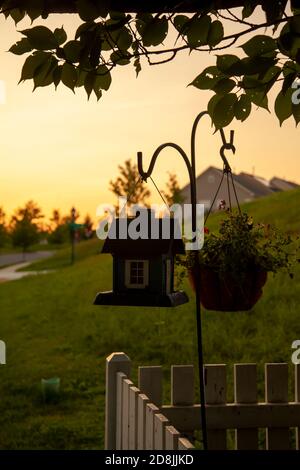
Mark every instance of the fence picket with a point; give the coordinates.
(171, 438)
(245, 391)
(116, 362)
(182, 385)
(184, 444)
(150, 383)
(126, 410)
(151, 410)
(215, 391)
(160, 423)
(133, 416)
(141, 439)
(119, 410)
(276, 390)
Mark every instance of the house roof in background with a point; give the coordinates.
(257, 186)
(283, 185)
(253, 183)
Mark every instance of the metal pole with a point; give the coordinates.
(73, 214)
(201, 370)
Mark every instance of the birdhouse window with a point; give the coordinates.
(136, 273)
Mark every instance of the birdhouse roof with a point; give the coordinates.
(149, 247)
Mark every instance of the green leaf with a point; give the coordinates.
(84, 27)
(215, 34)
(40, 38)
(44, 77)
(225, 63)
(72, 50)
(258, 97)
(103, 78)
(89, 83)
(60, 35)
(258, 65)
(89, 10)
(223, 86)
(98, 93)
(283, 106)
(207, 79)
(198, 29)
(248, 9)
(119, 58)
(35, 9)
(180, 21)
(21, 47)
(290, 67)
(223, 111)
(137, 66)
(294, 24)
(242, 108)
(32, 64)
(17, 14)
(212, 103)
(69, 76)
(124, 39)
(259, 45)
(57, 75)
(288, 81)
(81, 77)
(155, 32)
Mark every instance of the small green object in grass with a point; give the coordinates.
(50, 389)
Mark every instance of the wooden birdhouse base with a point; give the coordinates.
(141, 299)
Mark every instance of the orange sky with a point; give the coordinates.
(61, 150)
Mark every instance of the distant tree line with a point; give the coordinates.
(26, 227)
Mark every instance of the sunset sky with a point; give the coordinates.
(61, 150)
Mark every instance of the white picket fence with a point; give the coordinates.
(137, 419)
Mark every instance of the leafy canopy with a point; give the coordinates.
(107, 39)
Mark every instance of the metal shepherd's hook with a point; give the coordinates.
(191, 167)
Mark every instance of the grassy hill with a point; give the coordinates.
(51, 328)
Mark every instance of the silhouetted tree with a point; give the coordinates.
(3, 229)
(24, 228)
(173, 193)
(130, 185)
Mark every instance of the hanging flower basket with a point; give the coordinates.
(224, 293)
(232, 267)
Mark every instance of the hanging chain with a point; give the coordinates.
(160, 193)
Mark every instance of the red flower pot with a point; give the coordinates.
(226, 294)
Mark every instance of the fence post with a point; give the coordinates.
(116, 362)
(297, 400)
(276, 388)
(182, 385)
(150, 383)
(245, 391)
(215, 390)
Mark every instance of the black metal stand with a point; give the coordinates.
(191, 167)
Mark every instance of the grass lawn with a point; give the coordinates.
(52, 329)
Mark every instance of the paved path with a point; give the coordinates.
(14, 258)
(11, 273)
(16, 262)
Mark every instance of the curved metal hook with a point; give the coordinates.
(224, 147)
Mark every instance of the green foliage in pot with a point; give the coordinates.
(240, 246)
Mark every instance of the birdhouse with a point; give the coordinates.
(143, 268)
